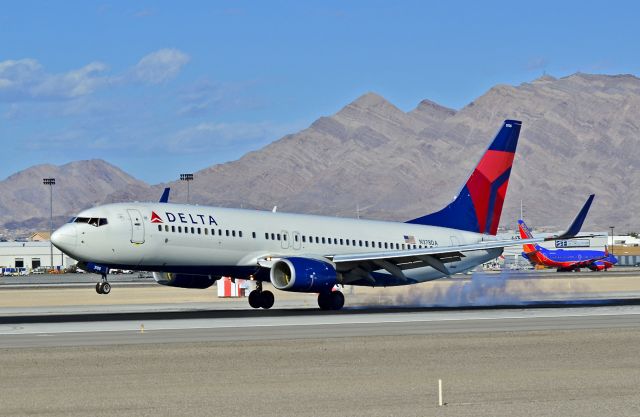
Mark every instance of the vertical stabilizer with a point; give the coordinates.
(478, 206)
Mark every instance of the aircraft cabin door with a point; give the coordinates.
(285, 240)
(297, 243)
(137, 226)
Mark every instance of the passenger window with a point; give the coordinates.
(397, 246)
(199, 231)
(240, 233)
(403, 246)
(266, 236)
(193, 230)
(366, 243)
(233, 233)
(386, 245)
(206, 232)
(179, 229)
(317, 239)
(323, 240)
(341, 242)
(253, 234)
(166, 228)
(360, 243)
(304, 240)
(278, 236)
(295, 237)
(173, 229)
(186, 229)
(226, 232)
(284, 237)
(347, 241)
(159, 228)
(273, 236)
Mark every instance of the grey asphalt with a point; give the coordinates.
(538, 360)
(505, 362)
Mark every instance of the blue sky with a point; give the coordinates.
(160, 88)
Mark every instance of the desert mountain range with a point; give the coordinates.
(580, 135)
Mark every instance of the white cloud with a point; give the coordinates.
(25, 79)
(160, 66)
(209, 136)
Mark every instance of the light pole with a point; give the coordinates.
(611, 227)
(50, 182)
(187, 178)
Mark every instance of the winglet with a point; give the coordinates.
(575, 227)
(165, 195)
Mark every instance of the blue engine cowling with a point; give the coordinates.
(184, 280)
(303, 275)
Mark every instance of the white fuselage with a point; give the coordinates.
(166, 237)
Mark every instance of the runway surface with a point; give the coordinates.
(493, 362)
(234, 325)
(154, 351)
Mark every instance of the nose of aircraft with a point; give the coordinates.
(65, 237)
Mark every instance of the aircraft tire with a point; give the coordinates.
(255, 300)
(267, 299)
(106, 288)
(324, 301)
(98, 289)
(337, 300)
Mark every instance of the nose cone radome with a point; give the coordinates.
(65, 238)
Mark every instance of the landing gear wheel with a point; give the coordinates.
(324, 300)
(267, 299)
(106, 288)
(331, 300)
(337, 300)
(255, 300)
(98, 289)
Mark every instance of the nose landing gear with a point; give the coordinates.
(261, 299)
(103, 287)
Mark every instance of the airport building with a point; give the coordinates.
(32, 255)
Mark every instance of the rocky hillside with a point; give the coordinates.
(580, 135)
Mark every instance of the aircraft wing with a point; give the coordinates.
(396, 261)
(360, 265)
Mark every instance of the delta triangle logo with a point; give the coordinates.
(155, 218)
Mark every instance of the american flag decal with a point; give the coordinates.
(410, 239)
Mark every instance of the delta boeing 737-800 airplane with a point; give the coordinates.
(193, 246)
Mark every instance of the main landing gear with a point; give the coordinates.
(261, 299)
(103, 287)
(333, 300)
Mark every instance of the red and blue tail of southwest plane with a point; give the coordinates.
(478, 206)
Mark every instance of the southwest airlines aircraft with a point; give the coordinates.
(565, 260)
(191, 246)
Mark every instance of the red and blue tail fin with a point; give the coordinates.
(478, 206)
(525, 233)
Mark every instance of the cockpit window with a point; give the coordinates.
(93, 221)
(72, 220)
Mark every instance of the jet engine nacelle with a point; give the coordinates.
(183, 280)
(303, 275)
